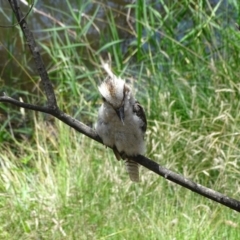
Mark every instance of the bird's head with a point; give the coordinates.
(115, 92)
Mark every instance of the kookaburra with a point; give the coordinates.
(121, 121)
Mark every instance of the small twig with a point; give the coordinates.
(53, 109)
(10, 26)
(50, 17)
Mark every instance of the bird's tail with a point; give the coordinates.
(133, 170)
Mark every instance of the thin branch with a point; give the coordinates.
(82, 128)
(15, 102)
(46, 83)
(79, 126)
(70, 121)
(184, 182)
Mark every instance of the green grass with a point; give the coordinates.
(183, 61)
(68, 185)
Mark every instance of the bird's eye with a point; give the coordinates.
(103, 99)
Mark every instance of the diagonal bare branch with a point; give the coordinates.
(53, 110)
(45, 81)
(184, 182)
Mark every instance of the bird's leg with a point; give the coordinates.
(116, 153)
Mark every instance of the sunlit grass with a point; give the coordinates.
(183, 63)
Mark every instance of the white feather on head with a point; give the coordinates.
(112, 88)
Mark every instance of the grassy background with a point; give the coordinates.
(182, 58)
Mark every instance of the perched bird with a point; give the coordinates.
(121, 121)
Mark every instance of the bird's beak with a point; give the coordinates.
(120, 113)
